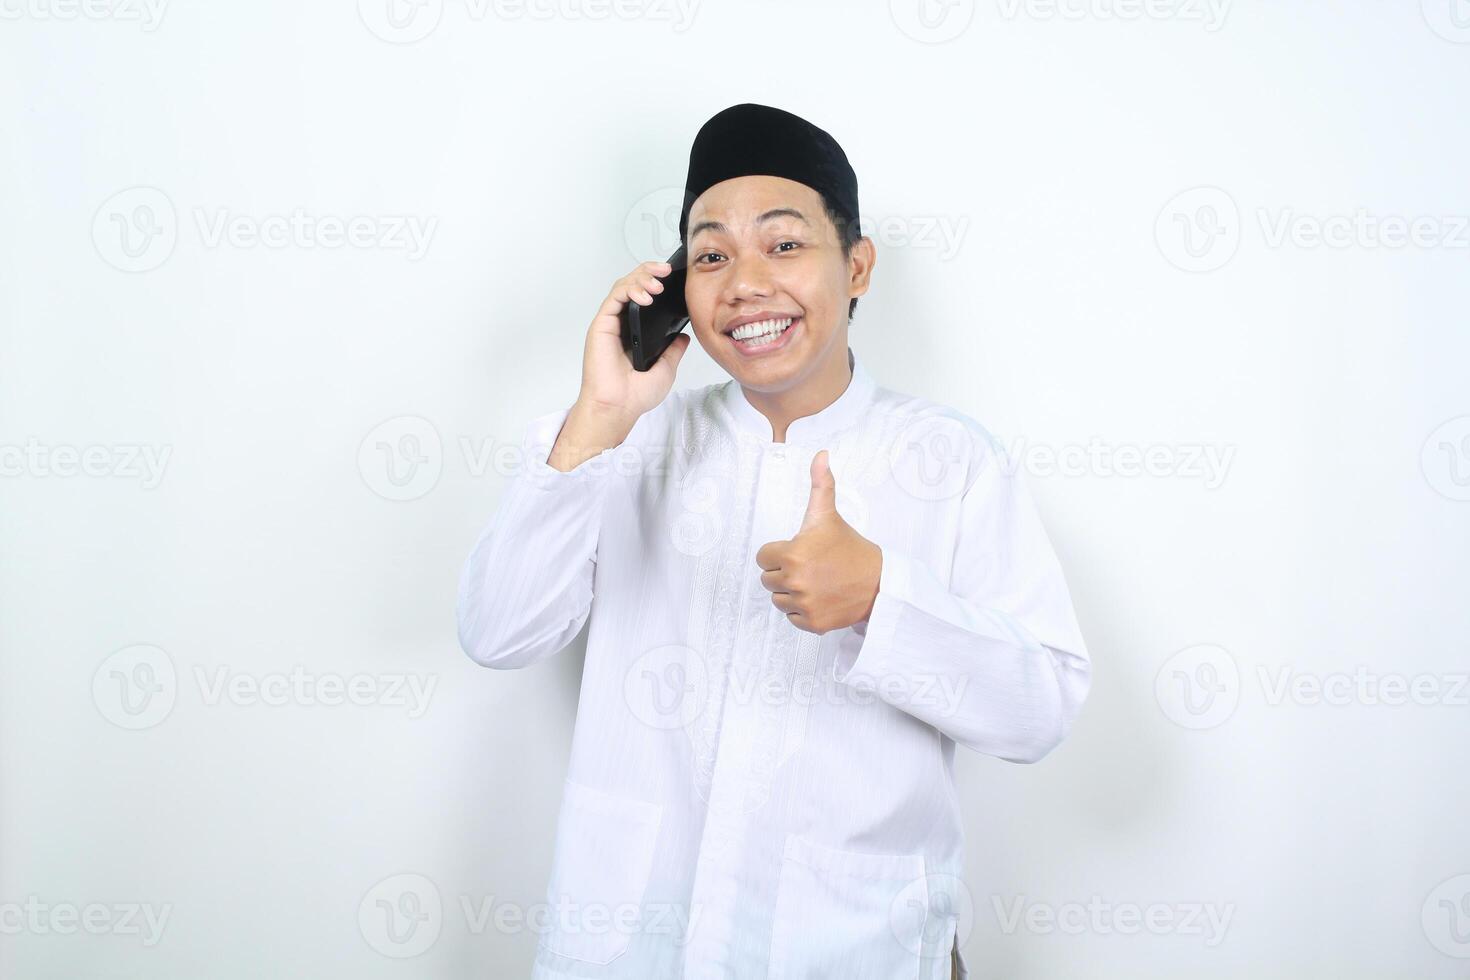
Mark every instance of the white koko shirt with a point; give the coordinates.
(745, 799)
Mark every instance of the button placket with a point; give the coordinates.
(739, 780)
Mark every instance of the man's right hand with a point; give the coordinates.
(614, 395)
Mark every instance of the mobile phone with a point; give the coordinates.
(649, 330)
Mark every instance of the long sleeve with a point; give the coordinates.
(995, 661)
(526, 589)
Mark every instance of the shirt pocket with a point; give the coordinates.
(601, 865)
(849, 915)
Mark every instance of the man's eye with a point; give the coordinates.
(788, 242)
(704, 255)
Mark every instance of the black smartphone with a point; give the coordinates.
(649, 330)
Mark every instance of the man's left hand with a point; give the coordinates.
(826, 577)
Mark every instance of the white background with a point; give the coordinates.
(276, 384)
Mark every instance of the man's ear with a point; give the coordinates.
(860, 266)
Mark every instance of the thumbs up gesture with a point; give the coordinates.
(826, 577)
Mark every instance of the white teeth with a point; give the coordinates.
(749, 331)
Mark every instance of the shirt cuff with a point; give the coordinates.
(536, 446)
(874, 655)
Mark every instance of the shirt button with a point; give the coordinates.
(778, 454)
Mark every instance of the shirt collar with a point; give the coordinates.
(809, 429)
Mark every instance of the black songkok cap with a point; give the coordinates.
(749, 139)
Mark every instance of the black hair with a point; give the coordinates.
(848, 235)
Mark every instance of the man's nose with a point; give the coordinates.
(750, 277)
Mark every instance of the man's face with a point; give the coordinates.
(763, 245)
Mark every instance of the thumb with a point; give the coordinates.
(823, 502)
(675, 351)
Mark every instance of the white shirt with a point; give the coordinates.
(746, 799)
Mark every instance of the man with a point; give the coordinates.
(805, 589)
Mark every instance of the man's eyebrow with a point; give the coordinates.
(718, 226)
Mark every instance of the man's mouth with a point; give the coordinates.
(754, 336)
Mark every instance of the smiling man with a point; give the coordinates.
(804, 589)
